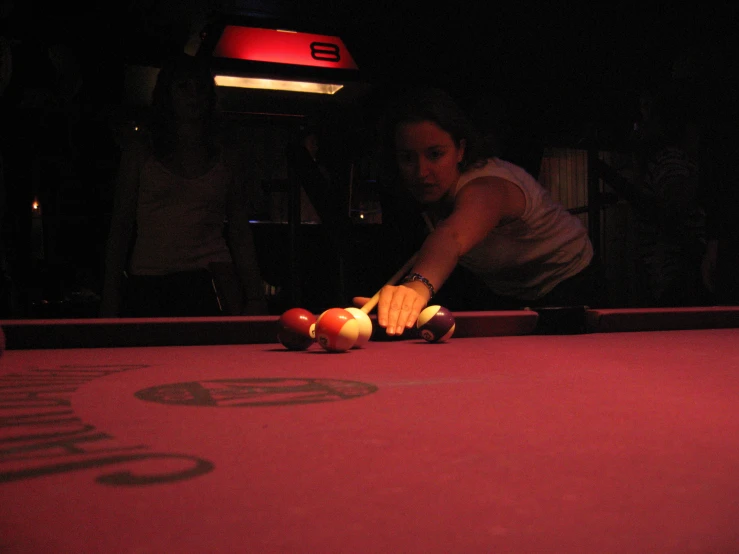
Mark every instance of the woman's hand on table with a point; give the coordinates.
(399, 306)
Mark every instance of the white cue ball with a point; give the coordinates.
(365, 326)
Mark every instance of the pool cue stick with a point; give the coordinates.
(372, 302)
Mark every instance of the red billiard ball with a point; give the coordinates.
(336, 330)
(435, 324)
(296, 329)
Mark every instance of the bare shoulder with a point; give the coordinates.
(489, 187)
(493, 191)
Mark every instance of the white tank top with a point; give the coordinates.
(179, 221)
(528, 257)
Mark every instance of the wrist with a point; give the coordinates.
(418, 278)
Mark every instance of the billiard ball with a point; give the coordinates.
(336, 330)
(365, 326)
(435, 324)
(296, 329)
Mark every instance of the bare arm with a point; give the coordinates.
(122, 229)
(479, 207)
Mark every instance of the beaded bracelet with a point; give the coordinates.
(421, 279)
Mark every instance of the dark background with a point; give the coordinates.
(562, 67)
(554, 74)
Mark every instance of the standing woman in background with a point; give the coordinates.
(179, 219)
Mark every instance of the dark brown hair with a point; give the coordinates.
(174, 68)
(435, 105)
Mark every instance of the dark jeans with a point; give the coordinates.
(463, 291)
(182, 294)
(587, 288)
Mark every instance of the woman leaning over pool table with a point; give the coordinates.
(484, 214)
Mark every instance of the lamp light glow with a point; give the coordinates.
(276, 84)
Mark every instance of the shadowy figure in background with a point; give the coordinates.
(180, 243)
(322, 201)
(719, 155)
(720, 264)
(669, 206)
(307, 142)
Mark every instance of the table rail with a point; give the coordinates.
(27, 334)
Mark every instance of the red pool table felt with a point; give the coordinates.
(605, 442)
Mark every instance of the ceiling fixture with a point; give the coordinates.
(276, 59)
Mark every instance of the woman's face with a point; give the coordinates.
(189, 97)
(428, 160)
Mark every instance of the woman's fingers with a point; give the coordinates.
(398, 308)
